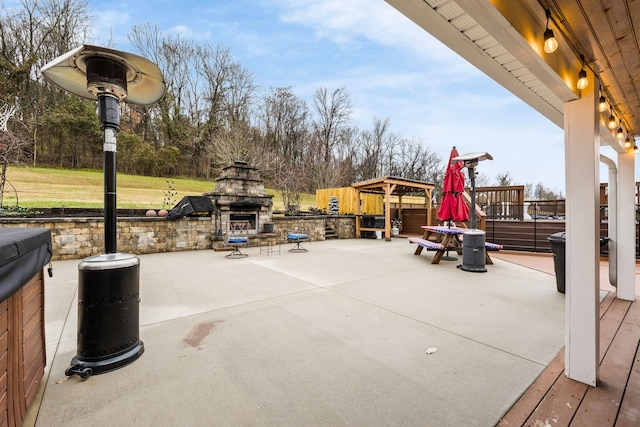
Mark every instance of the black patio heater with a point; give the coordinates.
(108, 284)
(473, 250)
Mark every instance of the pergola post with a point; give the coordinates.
(358, 213)
(388, 189)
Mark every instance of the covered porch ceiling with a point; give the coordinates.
(504, 39)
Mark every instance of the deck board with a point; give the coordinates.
(602, 403)
(553, 399)
(629, 414)
(559, 405)
(525, 406)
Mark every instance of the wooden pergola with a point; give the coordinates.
(390, 186)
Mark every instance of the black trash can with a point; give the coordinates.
(557, 242)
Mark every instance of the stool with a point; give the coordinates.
(236, 243)
(269, 247)
(297, 238)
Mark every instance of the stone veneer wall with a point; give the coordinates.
(344, 226)
(77, 238)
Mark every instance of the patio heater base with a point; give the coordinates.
(473, 251)
(85, 368)
(108, 314)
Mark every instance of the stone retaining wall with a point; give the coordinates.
(77, 238)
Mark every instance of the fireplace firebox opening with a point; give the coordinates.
(250, 218)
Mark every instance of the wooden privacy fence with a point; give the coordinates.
(347, 201)
(371, 203)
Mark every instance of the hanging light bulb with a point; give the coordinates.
(620, 133)
(602, 105)
(582, 76)
(612, 121)
(627, 143)
(635, 149)
(550, 41)
(582, 79)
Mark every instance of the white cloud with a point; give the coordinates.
(110, 26)
(346, 22)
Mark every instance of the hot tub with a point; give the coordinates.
(24, 251)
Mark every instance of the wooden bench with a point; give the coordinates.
(427, 244)
(430, 246)
(494, 247)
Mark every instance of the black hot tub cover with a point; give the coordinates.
(24, 251)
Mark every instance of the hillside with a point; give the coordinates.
(64, 188)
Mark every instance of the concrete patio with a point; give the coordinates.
(335, 336)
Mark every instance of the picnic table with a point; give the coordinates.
(446, 239)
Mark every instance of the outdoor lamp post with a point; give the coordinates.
(473, 250)
(108, 284)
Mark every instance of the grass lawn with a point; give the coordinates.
(55, 188)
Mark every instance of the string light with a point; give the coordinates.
(612, 121)
(620, 134)
(550, 41)
(582, 79)
(550, 46)
(602, 105)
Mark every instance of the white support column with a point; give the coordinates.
(582, 154)
(626, 249)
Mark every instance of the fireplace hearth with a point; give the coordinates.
(240, 197)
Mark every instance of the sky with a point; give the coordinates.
(390, 67)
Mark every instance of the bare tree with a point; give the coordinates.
(413, 159)
(288, 180)
(32, 34)
(482, 180)
(285, 122)
(36, 33)
(504, 179)
(542, 192)
(174, 57)
(208, 95)
(13, 150)
(333, 114)
(240, 143)
(375, 150)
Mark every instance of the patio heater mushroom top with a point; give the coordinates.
(471, 160)
(89, 71)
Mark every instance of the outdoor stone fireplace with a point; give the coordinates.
(239, 198)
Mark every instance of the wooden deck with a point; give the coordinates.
(555, 400)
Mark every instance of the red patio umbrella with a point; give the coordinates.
(453, 207)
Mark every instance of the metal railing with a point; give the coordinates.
(543, 209)
(532, 214)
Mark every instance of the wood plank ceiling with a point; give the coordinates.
(607, 33)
